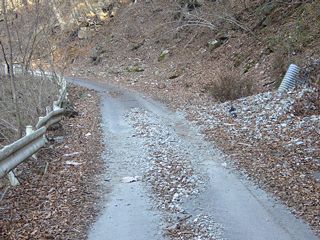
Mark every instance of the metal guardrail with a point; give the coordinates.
(17, 152)
(51, 118)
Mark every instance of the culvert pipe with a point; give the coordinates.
(291, 79)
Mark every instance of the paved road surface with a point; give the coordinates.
(145, 139)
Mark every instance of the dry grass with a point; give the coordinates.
(229, 85)
(34, 95)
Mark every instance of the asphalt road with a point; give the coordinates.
(142, 135)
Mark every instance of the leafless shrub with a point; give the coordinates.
(229, 85)
(34, 94)
(215, 15)
(30, 26)
(24, 34)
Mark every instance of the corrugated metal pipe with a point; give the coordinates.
(291, 79)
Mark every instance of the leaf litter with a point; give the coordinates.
(59, 199)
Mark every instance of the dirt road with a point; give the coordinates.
(165, 182)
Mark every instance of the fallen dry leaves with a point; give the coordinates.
(274, 139)
(59, 195)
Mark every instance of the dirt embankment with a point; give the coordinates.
(59, 194)
(168, 50)
(163, 50)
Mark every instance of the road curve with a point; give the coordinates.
(133, 125)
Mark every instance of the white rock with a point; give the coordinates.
(73, 163)
(130, 179)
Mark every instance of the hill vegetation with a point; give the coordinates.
(202, 42)
(218, 61)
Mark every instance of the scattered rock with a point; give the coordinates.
(177, 73)
(131, 179)
(138, 45)
(161, 86)
(71, 154)
(73, 163)
(213, 44)
(135, 68)
(274, 139)
(171, 176)
(58, 139)
(84, 33)
(163, 55)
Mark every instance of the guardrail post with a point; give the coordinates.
(55, 105)
(48, 110)
(14, 154)
(29, 130)
(13, 179)
(11, 176)
(40, 118)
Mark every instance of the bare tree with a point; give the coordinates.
(11, 72)
(25, 40)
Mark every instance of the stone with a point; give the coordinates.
(73, 163)
(102, 15)
(135, 68)
(83, 33)
(161, 86)
(213, 44)
(177, 73)
(130, 179)
(163, 55)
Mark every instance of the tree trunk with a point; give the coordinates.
(58, 15)
(11, 72)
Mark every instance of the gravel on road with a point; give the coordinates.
(275, 139)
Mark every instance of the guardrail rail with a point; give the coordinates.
(17, 152)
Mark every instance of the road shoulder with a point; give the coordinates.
(59, 194)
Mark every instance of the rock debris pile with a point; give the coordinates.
(171, 177)
(275, 139)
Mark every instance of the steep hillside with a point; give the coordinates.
(191, 55)
(217, 62)
(178, 51)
